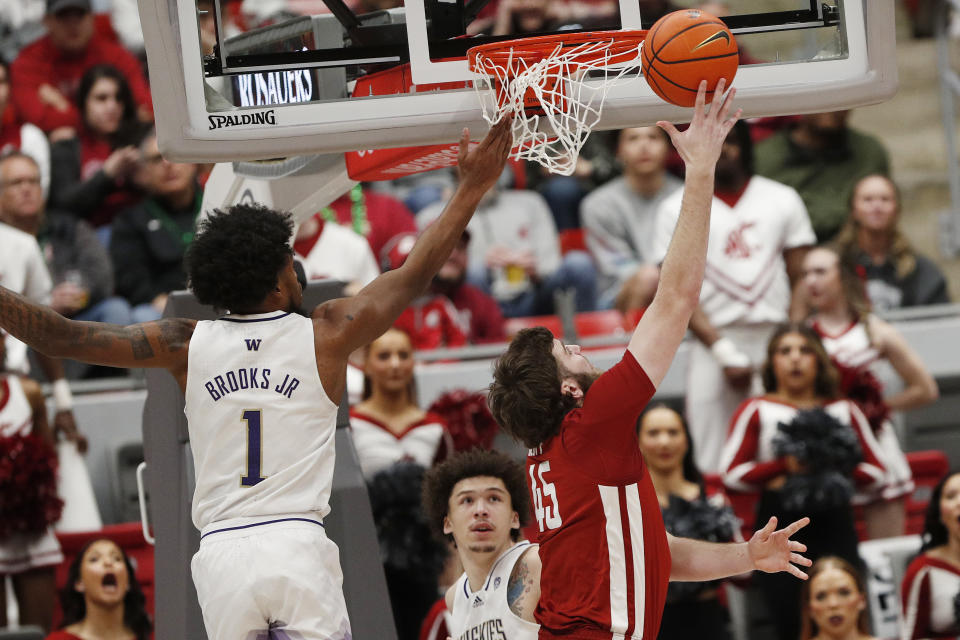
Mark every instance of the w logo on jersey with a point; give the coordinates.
(253, 344)
(737, 246)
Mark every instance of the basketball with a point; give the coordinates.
(684, 48)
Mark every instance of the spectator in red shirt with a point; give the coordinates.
(478, 311)
(17, 135)
(452, 313)
(47, 72)
(376, 216)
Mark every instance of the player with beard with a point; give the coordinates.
(479, 313)
(759, 234)
(606, 557)
(261, 386)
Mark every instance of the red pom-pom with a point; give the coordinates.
(469, 421)
(862, 387)
(28, 485)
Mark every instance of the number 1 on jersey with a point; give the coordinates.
(254, 448)
(548, 515)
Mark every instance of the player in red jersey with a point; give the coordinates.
(605, 555)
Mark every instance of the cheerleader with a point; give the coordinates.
(29, 551)
(834, 602)
(930, 591)
(804, 450)
(388, 426)
(693, 609)
(856, 340)
(101, 597)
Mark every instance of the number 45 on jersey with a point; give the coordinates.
(546, 506)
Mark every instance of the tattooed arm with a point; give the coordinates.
(523, 589)
(153, 344)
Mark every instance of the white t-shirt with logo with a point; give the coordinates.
(745, 280)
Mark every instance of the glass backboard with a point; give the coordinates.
(227, 87)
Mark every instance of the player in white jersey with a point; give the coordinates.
(479, 499)
(29, 560)
(857, 341)
(759, 232)
(261, 387)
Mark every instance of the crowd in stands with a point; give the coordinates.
(782, 401)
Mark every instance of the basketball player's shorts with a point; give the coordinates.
(19, 552)
(276, 578)
(897, 479)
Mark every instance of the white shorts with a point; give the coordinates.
(270, 579)
(20, 553)
(897, 479)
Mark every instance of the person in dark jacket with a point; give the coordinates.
(149, 239)
(93, 166)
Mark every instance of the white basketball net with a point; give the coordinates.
(571, 102)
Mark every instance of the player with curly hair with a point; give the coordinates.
(261, 386)
(478, 500)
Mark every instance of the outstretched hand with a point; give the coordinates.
(772, 551)
(482, 165)
(700, 144)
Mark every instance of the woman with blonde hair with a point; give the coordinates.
(834, 602)
(897, 276)
(858, 341)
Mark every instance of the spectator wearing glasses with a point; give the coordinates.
(149, 240)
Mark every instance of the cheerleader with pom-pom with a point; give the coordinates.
(856, 341)
(693, 609)
(29, 551)
(806, 451)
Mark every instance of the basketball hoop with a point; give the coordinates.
(545, 82)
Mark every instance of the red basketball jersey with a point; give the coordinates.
(603, 546)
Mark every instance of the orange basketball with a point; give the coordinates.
(684, 48)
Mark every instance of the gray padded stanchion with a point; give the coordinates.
(170, 482)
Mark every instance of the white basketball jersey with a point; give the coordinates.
(261, 426)
(16, 415)
(485, 614)
(851, 348)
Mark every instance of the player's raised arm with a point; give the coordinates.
(663, 326)
(372, 311)
(153, 344)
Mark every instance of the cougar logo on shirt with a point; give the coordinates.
(737, 245)
(486, 630)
